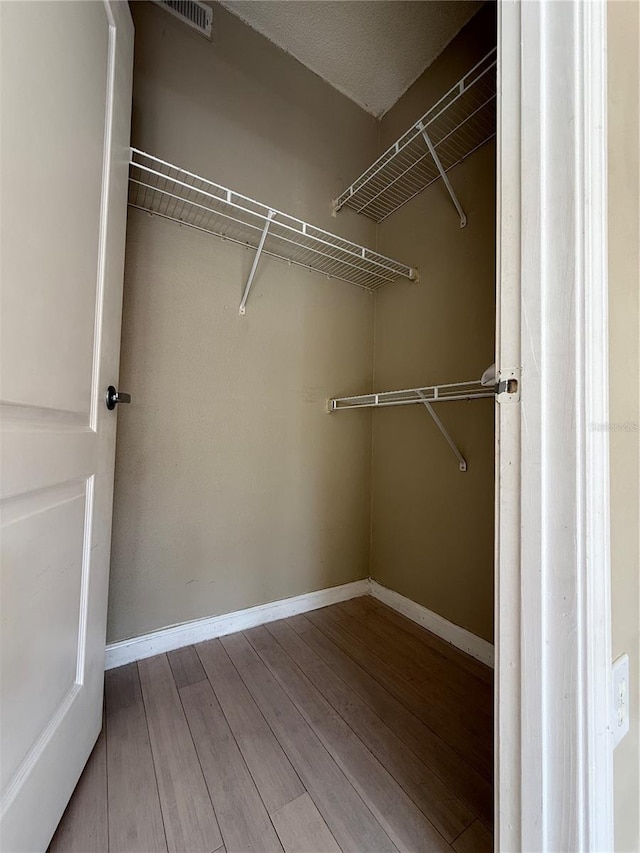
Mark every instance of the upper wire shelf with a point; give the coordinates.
(176, 194)
(459, 123)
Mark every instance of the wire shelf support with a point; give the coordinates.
(462, 462)
(444, 176)
(173, 193)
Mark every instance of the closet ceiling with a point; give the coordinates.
(370, 51)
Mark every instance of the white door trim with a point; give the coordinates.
(553, 650)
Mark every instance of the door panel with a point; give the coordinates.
(41, 583)
(59, 143)
(66, 102)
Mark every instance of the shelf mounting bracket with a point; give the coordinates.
(462, 462)
(443, 174)
(254, 266)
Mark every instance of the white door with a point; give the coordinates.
(66, 73)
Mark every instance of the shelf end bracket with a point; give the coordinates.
(462, 462)
(254, 266)
(443, 174)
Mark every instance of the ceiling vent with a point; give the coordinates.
(193, 12)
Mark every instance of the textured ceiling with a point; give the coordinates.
(370, 51)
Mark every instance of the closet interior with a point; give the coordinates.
(294, 256)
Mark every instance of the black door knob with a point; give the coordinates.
(113, 397)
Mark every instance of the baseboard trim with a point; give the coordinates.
(187, 633)
(454, 634)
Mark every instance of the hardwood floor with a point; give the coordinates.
(347, 729)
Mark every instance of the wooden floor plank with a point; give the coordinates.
(469, 785)
(430, 662)
(275, 778)
(371, 683)
(135, 818)
(441, 717)
(405, 824)
(411, 667)
(186, 667)
(350, 821)
(84, 827)
(243, 818)
(459, 722)
(432, 797)
(302, 829)
(189, 819)
(456, 656)
(299, 623)
(476, 839)
(463, 666)
(367, 602)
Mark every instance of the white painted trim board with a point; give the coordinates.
(554, 762)
(199, 630)
(459, 637)
(187, 633)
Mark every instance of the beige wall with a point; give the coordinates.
(233, 487)
(238, 489)
(432, 526)
(624, 337)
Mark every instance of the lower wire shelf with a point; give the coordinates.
(424, 396)
(471, 390)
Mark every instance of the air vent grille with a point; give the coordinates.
(193, 12)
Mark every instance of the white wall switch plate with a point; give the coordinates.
(621, 694)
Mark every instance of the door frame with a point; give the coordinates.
(554, 762)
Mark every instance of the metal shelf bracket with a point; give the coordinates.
(254, 266)
(462, 462)
(443, 174)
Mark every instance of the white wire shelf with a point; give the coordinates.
(458, 124)
(430, 393)
(425, 396)
(173, 193)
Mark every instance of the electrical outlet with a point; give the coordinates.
(621, 693)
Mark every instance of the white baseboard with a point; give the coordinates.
(454, 634)
(187, 633)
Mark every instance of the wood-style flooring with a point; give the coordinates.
(347, 729)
